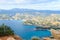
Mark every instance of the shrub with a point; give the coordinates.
(5, 30)
(35, 38)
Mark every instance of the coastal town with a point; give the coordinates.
(47, 21)
(29, 19)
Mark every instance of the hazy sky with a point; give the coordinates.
(31, 4)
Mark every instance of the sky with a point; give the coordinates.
(30, 4)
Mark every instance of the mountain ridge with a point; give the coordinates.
(29, 11)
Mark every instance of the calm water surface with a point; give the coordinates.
(25, 31)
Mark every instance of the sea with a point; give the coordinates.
(25, 31)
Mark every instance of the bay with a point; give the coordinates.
(25, 31)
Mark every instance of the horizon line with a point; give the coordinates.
(28, 9)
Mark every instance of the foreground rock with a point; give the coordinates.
(10, 38)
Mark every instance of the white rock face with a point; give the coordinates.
(10, 38)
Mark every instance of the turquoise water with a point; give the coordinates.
(25, 31)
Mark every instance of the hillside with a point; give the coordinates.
(29, 11)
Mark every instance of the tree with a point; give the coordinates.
(5, 30)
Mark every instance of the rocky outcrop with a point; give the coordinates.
(15, 37)
(55, 34)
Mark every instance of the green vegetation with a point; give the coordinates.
(6, 30)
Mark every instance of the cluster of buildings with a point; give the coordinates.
(48, 21)
(17, 16)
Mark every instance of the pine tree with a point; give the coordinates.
(5, 30)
